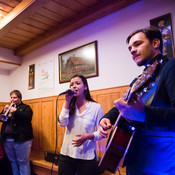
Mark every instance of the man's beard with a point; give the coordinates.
(142, 63)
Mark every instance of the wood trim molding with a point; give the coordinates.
(8, 62)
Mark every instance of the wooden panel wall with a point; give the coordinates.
(106, 97)
(44, 118)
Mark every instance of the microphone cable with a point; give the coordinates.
(119, 171)
(55, 134)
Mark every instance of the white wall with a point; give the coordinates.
(116, 67)
(5, 86)
(6, 55)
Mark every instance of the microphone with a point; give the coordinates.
(71, 91)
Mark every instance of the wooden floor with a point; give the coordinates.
(40, 166)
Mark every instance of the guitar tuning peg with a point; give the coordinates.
(141, 93)
(148, 76)
(145, 89)
(152, 84)
(161, 61)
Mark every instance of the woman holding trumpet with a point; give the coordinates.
(17, 133)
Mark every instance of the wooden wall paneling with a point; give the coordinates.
(60, 136)
(60, 130)
(2, 105)
(36, 119)
(48, 123)
(106, 100)
(123, 90)
(106, 97)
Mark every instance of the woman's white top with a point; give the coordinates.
(86, 122)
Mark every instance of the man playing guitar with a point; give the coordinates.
(151, 111)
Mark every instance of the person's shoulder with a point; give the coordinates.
(171, 62)
(95, 104)
(169, 67)
(24, 105)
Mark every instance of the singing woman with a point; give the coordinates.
(80, 115)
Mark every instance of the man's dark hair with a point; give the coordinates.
(18, 93)
(151, 33)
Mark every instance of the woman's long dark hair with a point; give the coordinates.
(86, 92)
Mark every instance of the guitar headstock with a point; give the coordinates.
(146, 75)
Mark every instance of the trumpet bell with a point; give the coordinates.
(3, 118)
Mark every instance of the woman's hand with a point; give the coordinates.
(82, 138)
(68, 98)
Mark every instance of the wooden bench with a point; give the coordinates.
(39, 166)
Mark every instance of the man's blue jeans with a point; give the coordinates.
(18, 154)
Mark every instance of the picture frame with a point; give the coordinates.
(165, 25)
(31, 77)
(80, 60)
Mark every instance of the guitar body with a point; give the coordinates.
(123, 131)
(117, 146)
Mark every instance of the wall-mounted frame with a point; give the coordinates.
(80, 60)
(31, 77)
(164, 24)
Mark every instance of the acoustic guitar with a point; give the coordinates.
(123, 129)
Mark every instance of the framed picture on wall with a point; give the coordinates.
(80, 60)
(31, 77)
(165, 26)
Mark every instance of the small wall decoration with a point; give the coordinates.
(31, 79)
(81, 60)
(45, 77)
(165, 26)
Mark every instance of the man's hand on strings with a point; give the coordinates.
(134, 110)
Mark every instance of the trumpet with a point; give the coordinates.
(4, 117)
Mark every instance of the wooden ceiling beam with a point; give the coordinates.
(99, 10)
(18, 14)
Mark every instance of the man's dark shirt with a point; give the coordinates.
(19, 125)
(152, 150)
